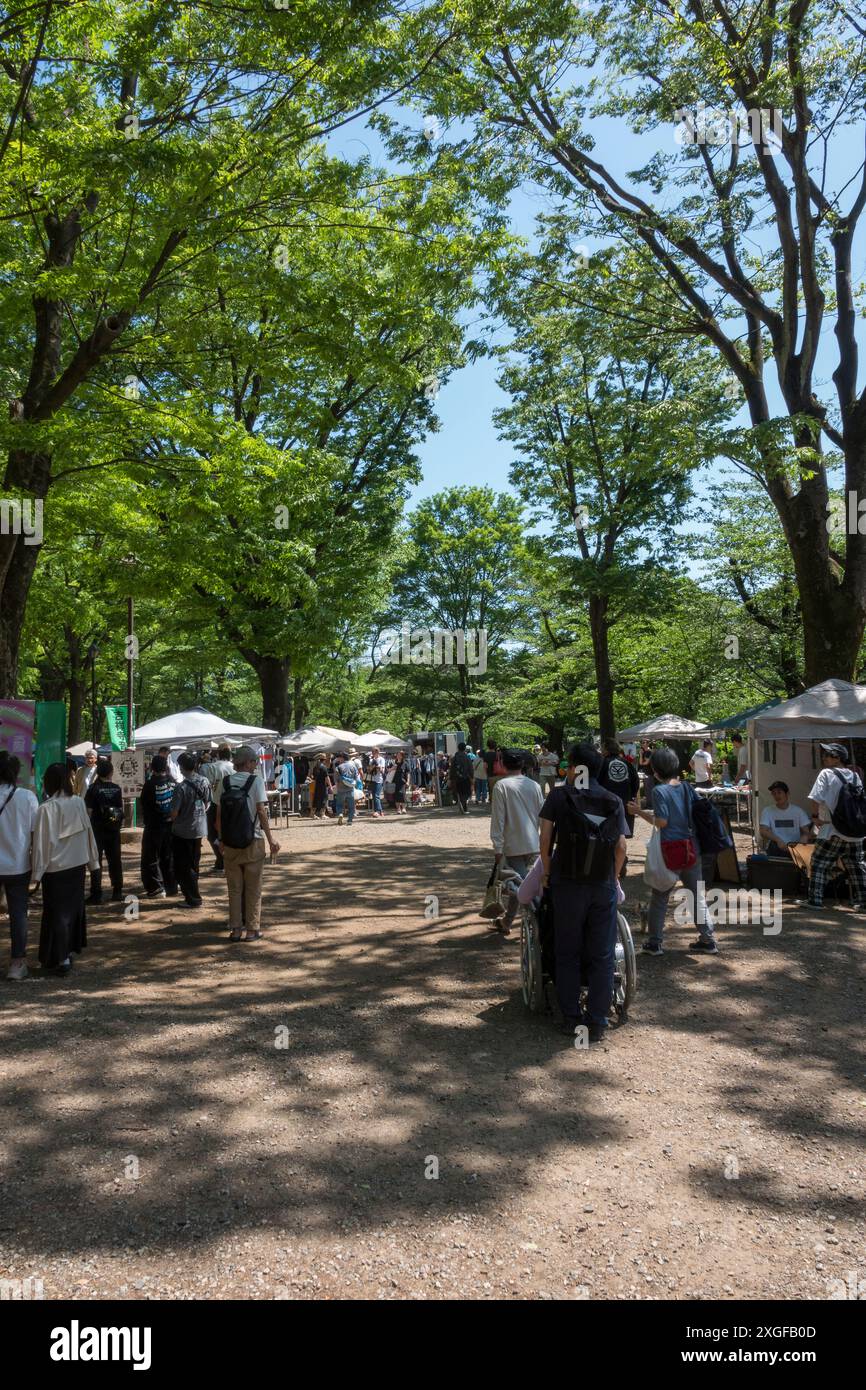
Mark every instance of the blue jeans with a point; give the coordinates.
(584, 925)
(377, 795)
(480, 790)
(693, 880)
(346, 802)
(17, 898)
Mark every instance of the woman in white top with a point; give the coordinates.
(18, 808)
(63, 848)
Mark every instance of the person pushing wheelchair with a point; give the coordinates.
(583, 849)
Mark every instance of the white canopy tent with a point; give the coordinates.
(783, 741)
(380, 738)
(663, 726)
(78, 750)
(319, 738)
(196, 726)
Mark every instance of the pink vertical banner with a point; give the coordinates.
(17, 719)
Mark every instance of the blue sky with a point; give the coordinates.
(466, 447)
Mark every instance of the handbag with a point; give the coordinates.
(493, 905)
(656, 873)
(680, 854)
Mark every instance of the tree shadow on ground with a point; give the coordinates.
(406, 1042)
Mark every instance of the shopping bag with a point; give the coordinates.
(656, 873)
(493, 905)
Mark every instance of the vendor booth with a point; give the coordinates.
(783, 741)
(318, 738)
(381, 739)
(662, 726)
(197, 727)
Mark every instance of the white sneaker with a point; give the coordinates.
(17, 972)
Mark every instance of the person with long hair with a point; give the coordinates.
(18, 808)
(321, 788)
(63, 847)
(401, 777)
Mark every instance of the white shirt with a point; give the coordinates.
(479, 770)
(173, 769)
(62, 836)
(826, 793)
(742, 762)
(17, 817)
(218, 770)
(786, 825)
(702, 762)
(516, 803)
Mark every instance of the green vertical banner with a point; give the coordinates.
(118, 732)
(50, 737)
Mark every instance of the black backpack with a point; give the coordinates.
(709, 828)
(237, 827)
(849, 814)
(585, 847)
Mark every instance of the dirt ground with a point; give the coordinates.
(190, 1119)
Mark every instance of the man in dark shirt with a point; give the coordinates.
(584, 906)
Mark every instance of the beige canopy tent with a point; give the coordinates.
(783, 741)
(318, 738)
(380, 738)
(662, 726)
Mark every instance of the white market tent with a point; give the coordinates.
(78, 750)
(783, 741)
(318, 738)
(193, 726)
(663, 726)
(380, 738)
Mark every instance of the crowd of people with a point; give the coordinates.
(52, 845)
(573, 840)
(565, 820)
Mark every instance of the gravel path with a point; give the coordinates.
(184, 1118)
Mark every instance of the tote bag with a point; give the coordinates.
(656, 873)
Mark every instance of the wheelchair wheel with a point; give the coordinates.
(625, 968)
(532, 975)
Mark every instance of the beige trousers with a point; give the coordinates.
(244, 879)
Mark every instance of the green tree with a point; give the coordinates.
(750, 224)
(608, 426)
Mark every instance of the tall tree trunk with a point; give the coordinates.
(13, 604)
(598, 628)
(298, 711)
(832, 600)
(274, 673)
(476, 730)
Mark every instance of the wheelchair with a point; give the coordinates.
(538, 963)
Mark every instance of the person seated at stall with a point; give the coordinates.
(783, 824)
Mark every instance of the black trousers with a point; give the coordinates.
(211, 834)
(107, 843)
(157, 860)
(187, 856)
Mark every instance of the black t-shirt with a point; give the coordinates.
(593, 801)
(620, 777)
(104, 801)
(489, 756)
